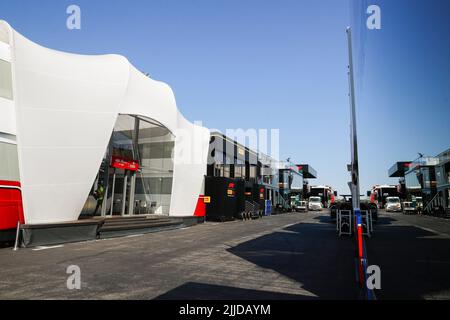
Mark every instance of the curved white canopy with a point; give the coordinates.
(66, 106)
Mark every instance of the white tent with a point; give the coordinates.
(62, 111)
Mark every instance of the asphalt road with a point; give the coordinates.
(413, 253)
(289, 256)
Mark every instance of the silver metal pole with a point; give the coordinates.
(105, 201)
(354, 138)
(16, 244)
(112, 193)
(354, 169)
(124, 193)
(131, 193)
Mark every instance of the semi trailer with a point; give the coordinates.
(326, 194)
(380, 193)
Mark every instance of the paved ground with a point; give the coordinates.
(413, 253)
(290, 256)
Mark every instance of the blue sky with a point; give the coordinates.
(404, 89)
(279, 64)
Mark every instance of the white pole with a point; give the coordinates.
(16, 244)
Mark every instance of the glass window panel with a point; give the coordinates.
(253, 171)
(168, 149)
(9, 168)
(122, 138)
(237, 171)
(156, 145)
(151, 144)
(166, 186)
(6, 90)
(226, 171)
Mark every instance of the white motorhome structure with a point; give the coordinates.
(70, 124)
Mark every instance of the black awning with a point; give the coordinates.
(399, 169)
(307, 171)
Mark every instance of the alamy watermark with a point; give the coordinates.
(74, 280)
(374, 19)
(373, 277)
(73, 21)
(192, 144)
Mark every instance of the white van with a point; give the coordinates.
(315, 203)
(393, 204)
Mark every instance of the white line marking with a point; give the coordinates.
(39, 248)
(107, 239)
(134, 235)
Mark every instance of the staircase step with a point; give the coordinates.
(138, 226)
(131, 222)
(125, 230)
(123, 226)
(137, 217)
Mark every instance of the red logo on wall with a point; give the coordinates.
(126, 164)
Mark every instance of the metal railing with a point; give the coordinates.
(345, 222)
(434, 202)
(252, 210)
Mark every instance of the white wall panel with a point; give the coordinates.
(81, 131)
(66, 108)
(150, 98)
(48, 171)
(60, 205)
(189, 171)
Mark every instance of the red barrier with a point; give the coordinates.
(200, 209)
(11, 209)
(362, 271)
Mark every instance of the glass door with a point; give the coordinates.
(121, 189)
(118, 192)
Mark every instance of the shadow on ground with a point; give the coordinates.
(324, 219)
(309, 253)
(203, 291)
(383, 220)
(414, 263)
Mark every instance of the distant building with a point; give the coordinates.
(426, 177)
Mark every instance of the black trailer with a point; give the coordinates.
(255, 198)
(227, 200)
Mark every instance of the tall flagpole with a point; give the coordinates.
(354, 183)
(354, 169)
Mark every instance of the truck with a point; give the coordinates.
(297, 204)
(379, 194)
(326, 194)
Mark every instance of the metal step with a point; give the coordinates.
(116, 227)
(129, 221)
(136, 217)
(137, 225)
